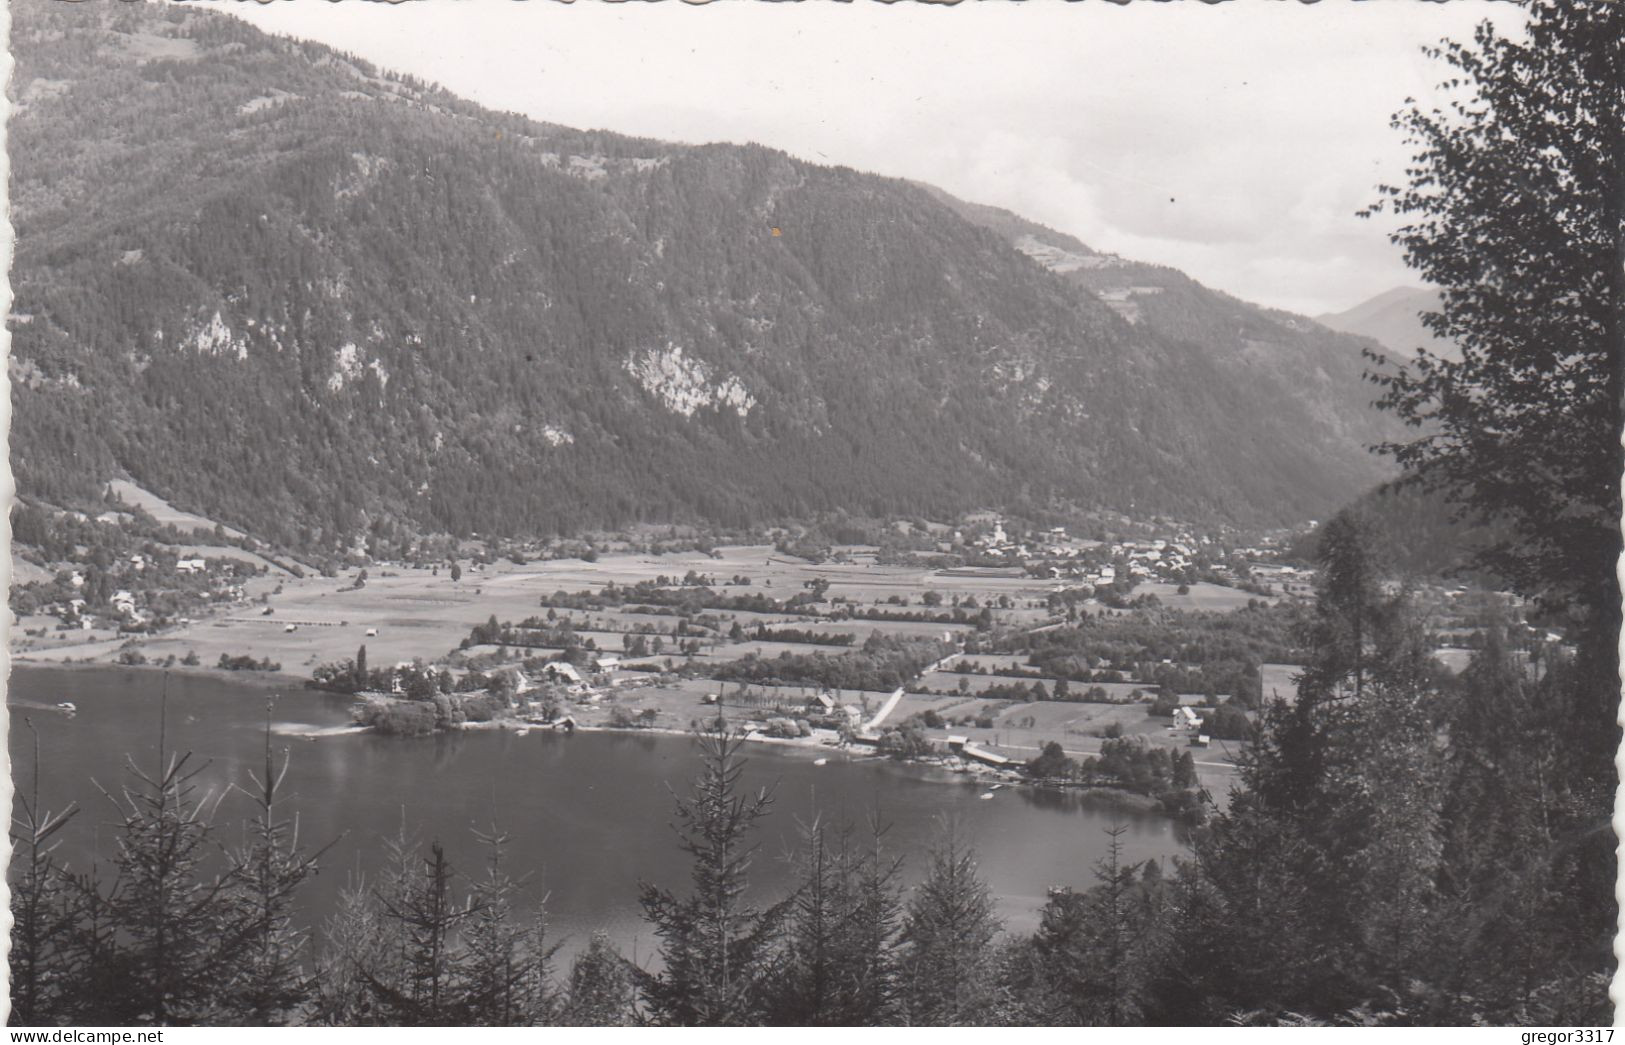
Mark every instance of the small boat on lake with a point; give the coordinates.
(985, 795)
(68, 706)
(820, 761)
(523, 731)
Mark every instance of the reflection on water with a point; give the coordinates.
(590, 814)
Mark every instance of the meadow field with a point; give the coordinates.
(403, 613)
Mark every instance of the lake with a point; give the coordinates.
(590, 814)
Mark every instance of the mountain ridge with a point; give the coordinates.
(279, 286)
(1393, 320)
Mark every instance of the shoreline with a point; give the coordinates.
(278, 680)
(962, 771)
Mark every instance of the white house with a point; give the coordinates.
(564, 670)
(191, 565)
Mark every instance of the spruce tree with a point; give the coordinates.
(717, 949)
(270, 985)
(358, 954)
(876, 930)
(41, 913)
(601, 988)
(947, 967)
(176, 930)
(506, 979)
(1093, 946)
(838, 965)
(96, 964)
(433, 966)
(392, 957)
(807, 991)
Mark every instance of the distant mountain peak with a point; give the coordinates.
(1393, 319)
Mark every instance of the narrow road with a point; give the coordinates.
(891, 701)
(885, 709)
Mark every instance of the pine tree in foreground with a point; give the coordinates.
(428, 915)
(270, 984)
(356, 955)
(601, 988)
(947, 961)
(1091, 946)
(717, 949)
(507, 976)
(175, 931)
(838, 967)
(42, 917)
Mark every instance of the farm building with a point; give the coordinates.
(986, 757)
(563, 671)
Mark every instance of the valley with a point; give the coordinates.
(636, 663)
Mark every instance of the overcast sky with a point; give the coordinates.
(1234, 142)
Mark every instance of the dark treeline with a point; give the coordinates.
(957, 615)
(803, 636)
(689, 600)
(881, 664)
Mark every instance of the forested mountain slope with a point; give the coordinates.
(1309, 377)
(305, 297)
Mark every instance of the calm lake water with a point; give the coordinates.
(590, 814)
